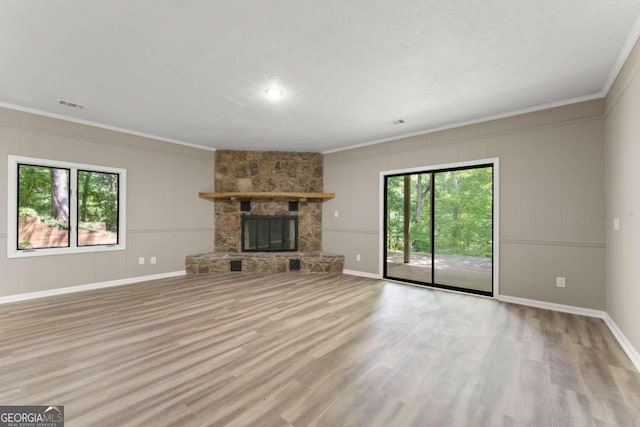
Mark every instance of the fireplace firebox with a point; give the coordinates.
(269, 233)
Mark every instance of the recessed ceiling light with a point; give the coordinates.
(274, 92)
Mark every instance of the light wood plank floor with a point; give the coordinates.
(310, 350)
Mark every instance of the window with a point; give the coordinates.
(59, 207)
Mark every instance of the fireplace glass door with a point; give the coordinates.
(269, 233)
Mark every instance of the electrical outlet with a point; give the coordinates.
(358, 258)
(616, 224)
(153, 260)
(141, 260)
(336, 214)
(561, 282)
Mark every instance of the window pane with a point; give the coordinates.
(408, 224)
(463, 234)
(97, 208)
(43, 207)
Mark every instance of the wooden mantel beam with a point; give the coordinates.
(265, 195)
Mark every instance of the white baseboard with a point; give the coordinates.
(552, 306)
(624, 342)
(628, 348)
(361, 274)
(88, 287)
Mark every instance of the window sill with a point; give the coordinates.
(62, 251)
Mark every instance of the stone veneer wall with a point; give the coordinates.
(268, 171)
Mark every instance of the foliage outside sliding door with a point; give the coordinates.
(464, 212)
(419, 214)
(439, 228)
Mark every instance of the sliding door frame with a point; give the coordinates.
(494, 163)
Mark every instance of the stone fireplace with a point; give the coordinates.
(257, 176)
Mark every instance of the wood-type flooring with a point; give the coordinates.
(238, 349)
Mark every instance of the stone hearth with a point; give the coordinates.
(265, 262)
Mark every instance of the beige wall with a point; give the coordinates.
(165, 218)
(551, 198)
(622, 141)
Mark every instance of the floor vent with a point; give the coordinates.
(294, 265)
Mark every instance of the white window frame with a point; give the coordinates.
(12, 208)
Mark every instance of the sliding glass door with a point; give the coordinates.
(439, 228)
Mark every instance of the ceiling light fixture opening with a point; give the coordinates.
(274, 92)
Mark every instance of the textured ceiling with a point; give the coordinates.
(196, 71)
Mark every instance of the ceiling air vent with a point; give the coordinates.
(70, 104)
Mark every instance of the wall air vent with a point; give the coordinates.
(71, 104)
